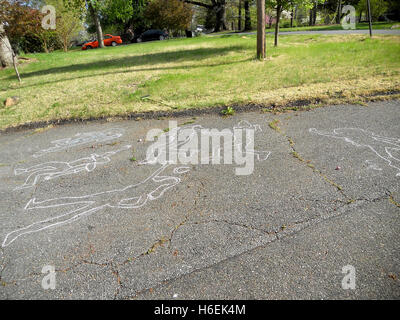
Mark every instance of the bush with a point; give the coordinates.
(173, 15)
(30, 43)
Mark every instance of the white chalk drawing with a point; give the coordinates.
(81, 139)
(373, 166)
(158, 152)
(386, 148)
(54, 169)
(132, 196)
(244, 124)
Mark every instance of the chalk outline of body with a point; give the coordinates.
(90, 205)
(81, 139)
(96, 202)
(381, 151)
(54, 169)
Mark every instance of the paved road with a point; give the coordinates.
(329, 32)
(318, 200)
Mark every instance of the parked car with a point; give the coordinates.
(152, 35)
(200, 29)
(109, 40)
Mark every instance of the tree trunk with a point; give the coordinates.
(15, 64)
(240, 16)
(261, 47)
(291, 18)
(339, 12)
(278, 17)
(6, 53)
(220, 12)
(247, 17)
(315, 14)
(45, 46)
(99, 31)
(65, 44)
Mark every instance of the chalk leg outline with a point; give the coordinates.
(81, 139)
(373, 144)
(54, 169)
(89, 206)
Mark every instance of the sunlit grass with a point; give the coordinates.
(197, 73)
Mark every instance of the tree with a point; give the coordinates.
(116, 15)
(313, 14)
(169, 14)
(378, 8)
(247, 17)
(280, 5)
(93, 8)
(68, 22)
(218, 7)
(261, 47)
(17, 18)
(240, 16)
(137, 22)
(20, 19)
(6, 52)
(393, 12)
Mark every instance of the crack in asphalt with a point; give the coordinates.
(394, 202)
(296, 226)
(292, 228)
(296, 155)
(343, 210)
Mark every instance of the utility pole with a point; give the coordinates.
(261, 47)
(369, 17)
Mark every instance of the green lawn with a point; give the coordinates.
(359, 26)
(198, 73)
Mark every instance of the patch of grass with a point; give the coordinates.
(392, 201)
(229, 111)
(154, 247)
(274, 125)
(188, 122)
(359, 26)
(199, 73)
(297, 156)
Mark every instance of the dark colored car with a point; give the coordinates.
(152, 35)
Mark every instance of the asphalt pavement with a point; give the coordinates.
(323, 199)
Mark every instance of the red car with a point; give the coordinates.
(109, 40)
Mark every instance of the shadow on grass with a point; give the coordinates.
(136, 70)
(138, 60)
